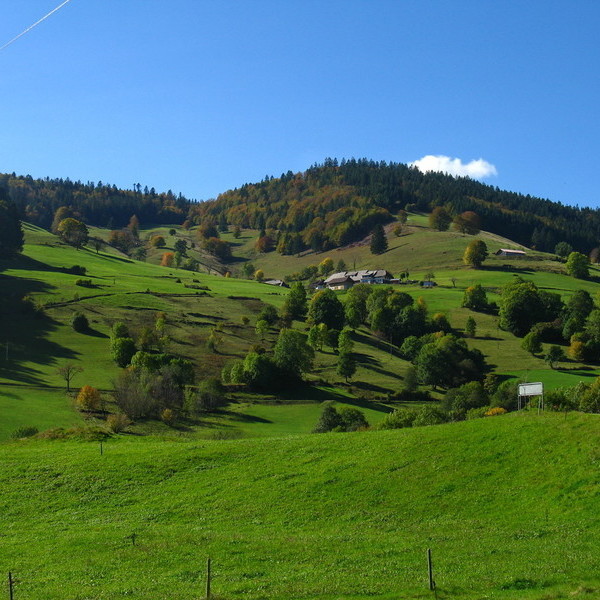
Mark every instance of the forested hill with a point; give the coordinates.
(335, 203)
(98, 204)
(328, 205)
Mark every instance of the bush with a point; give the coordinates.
(85, 433)
(84, 283)
(268, 314)
(560, 399)
(89, 398)
(211, 394)
(506, 396)
(352, 419)
(24, 432)
(494, 412)
(589, 400)
(158, 241)
(80, 323)
(329, 420)
(118, 422)
(168, 417)
(123, 350)
(119, 330)
(429, 415)
(458, 401)
(399, 419)
(477, 413)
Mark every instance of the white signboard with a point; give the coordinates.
(531, 389)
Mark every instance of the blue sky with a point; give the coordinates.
(201, 96)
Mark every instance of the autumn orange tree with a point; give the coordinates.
(167, 259)
(468, 222)
(89, 398)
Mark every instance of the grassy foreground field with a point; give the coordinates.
(508, 505)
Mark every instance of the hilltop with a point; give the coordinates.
(332, 204)
(327, 206)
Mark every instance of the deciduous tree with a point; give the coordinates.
(346, 365)
(167, 259)
(475, 253)
(292, 354)
(554, 355)
(89, 398)
(73, 232)
(440, 219)
(325, 307)
(468, 222)
(68, 371)
(531, 343)
(475, 297)
(295, 305)
(578, 265)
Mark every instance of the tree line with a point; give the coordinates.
(99, 204)
(328, 205)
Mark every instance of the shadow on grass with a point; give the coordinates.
(26, 263)
(368, 362)
(25, 334)
(242, 417)
(508, 269)
(580, 371)
(367, 404)
(370, 387)
(95, 333)
(376, 343)
(310, 393)
(109, 257)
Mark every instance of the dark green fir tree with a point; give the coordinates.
(379, 243)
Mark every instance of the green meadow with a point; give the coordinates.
(508, 505)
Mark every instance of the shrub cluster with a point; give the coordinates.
(80, 323)
(84, 283)
(344, 418)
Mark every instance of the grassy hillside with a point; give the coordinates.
(418, 249)
(508, 506)
(421, 250)
(33, 347)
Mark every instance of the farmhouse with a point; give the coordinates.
(346, 279)
(277, 282)
(339, 283)
(510, 253)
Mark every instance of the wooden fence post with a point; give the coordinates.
(430, 570)
(208, 579)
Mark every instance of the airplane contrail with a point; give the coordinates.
(34, 25)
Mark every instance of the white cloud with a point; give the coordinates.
(476, 169)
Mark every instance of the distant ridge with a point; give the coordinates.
(327, 206)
